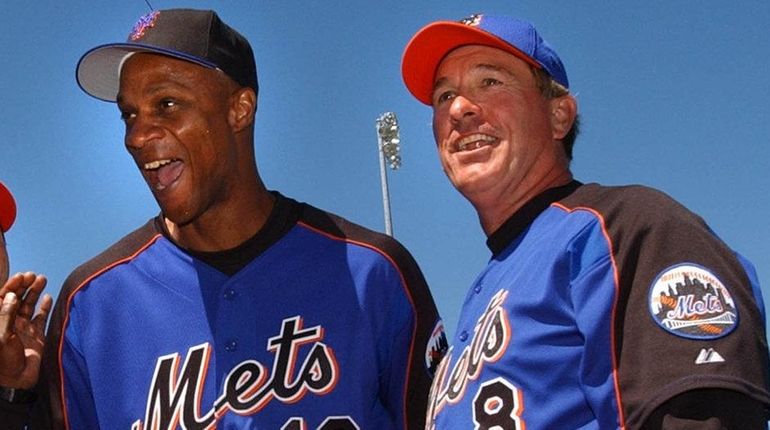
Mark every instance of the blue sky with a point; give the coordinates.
(672, 95)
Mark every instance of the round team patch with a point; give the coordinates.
(689, 301)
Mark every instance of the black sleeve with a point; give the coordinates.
(13, 416)
(709, 409)
(687, 316)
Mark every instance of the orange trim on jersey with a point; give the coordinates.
(520, 410)
(67, 316)
(408, 295)
(618, 397)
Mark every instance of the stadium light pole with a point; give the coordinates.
(388, 147)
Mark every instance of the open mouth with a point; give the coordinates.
(475, 141)
(162, 173)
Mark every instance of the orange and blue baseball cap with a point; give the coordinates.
(7, 208)
(432, 43)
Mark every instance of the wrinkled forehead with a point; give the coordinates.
(482, 54)
(142, 63)
(157, 69)
(471, 60)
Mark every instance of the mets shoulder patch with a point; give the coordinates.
(688, 300)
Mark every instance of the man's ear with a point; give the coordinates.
(243, 107)
(563, 113)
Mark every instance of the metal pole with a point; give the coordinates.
(385, 192)
(388, 142)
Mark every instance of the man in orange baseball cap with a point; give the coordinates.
(7, 216)
(7, 208)
(601, 306)
(21, 329)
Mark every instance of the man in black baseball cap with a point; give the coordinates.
(196, 36)
(235, 307)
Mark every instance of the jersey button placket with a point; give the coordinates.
(463, 335)
(230, 294)
(231, 345)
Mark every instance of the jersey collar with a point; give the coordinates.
(523, 217)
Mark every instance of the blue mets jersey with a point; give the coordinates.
(598, 305)
(331, 326)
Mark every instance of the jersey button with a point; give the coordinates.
(231, 345)
(230, 294)
(477, 288)
(463, 336)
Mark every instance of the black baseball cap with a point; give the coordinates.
(197, 36)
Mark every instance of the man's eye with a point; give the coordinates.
(443, 97)
(167, 103)
(127, 116)
(490, 82)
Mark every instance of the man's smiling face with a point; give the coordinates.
(491, 122)
(177, 131)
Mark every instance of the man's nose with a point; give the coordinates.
(463, 108)
(140, 130)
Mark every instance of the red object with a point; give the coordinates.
(7, 208)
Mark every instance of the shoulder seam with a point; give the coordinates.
(616, 281)
(67, 306)
(404, 287)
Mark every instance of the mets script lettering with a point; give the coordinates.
(490, 340)
(176, 400)
(687, 307)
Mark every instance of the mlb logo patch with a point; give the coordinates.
(436, 348)
(690, 301)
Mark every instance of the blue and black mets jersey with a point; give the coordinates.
(331, 326)
(598, 306)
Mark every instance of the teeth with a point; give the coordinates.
(152, 165)
(478, 140)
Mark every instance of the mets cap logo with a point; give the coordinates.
(690, 301)
(141, 26)
(472, 20)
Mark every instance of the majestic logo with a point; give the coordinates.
(174, 399)
(709, 356)
(145, 22)
(472, 20)
(436, 348)
(690, 301)
(490, 340)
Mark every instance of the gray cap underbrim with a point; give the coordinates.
(98, 71)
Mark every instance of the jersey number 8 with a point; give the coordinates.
(497, 406)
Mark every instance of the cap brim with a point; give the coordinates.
(432, 43)
(98, 71)
(7, 208)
